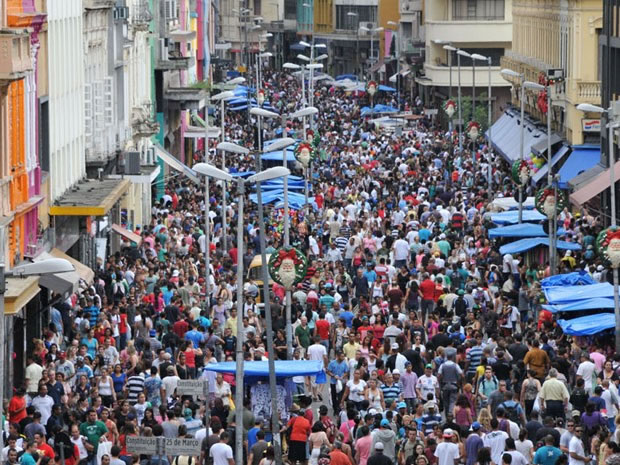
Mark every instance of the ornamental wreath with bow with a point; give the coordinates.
(260, 96)
(521, 172)
(547, 203)
(288, 266)
(473, 129)
(304, 153)
(371, 88)
(608, 246)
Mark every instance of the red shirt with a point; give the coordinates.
(322, 329)
(427, 288)
(337, 457)
(180, 328)
(300, 428)
(15, 404)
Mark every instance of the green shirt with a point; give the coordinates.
(93, 432)
(303, 335)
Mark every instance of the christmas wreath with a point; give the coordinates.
(260, 96)
(608, 245)
(304, 153)
(547, 203)
(473, 129)
(450, 108)
(371, 88)
(521, 172)
(288, 266)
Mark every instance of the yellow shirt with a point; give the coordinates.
(350, 350)
(554, 389)
(232, 324)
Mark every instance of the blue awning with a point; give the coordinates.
(557, 157)
(524, 245)
(283, 369)
(378, 109)
(588, 325)
(386, 88)
(582, 159)
(595, 303)
(576, 278)
(277, 156)
(342, 77)
(558, 295)
(521, 230)
(512, 217)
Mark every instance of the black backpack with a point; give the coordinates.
(460, 306)
(512, 412)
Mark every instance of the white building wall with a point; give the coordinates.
(66, 94)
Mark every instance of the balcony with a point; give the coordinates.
(471, 32)
(589, 92)
(15, 60)
(142, 123)
(175, 63)
(440, 76)
(185, 98)
(98, 4)
(141, 15)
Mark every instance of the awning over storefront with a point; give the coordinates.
(506, 135)
(595, 185)
(557, 157)
(129, 235)
(175, 164)
(83, 271)
(19, 292)
(64, 284)
(580, 160)
(92, 197)
(540, 147)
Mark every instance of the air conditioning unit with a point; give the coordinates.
(132, 162)
(371, 25)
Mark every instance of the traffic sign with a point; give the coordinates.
(182, 446)
(141, 445)
(191, 387)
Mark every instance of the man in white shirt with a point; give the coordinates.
(586, 370)
(222, 453)
(427, 384)
(576, 451)
(447, 452)
(610, 396)
(401, 251)
(496, 441)
(317, 351)
(43, 404)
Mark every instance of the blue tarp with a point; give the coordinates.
(386, 88)
(595, 303)
(254, 105)
(588, 325)
(342, 77)
(512, 217)
(378, 108)
(577, 278)
(582, 159)
(524, 245)
(244, 174)
(277, 156)
(521, 230)
(283, 368)
(556, 295)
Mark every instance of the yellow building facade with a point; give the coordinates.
(559, 34)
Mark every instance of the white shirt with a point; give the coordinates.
(317, 352)
(496, 440)
(44, 406)
(576, 445)
(517, 458)
(220, 453)
(447, 453)
(401, 249)
(427, 385)
(586, 371)
(356, 391)
(79, 442)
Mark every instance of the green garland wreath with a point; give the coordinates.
(517, 168)
(288, 253)
(542, 195)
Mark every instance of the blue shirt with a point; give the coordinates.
(195, 336)
(348, 317)
(337, 369)
(371, 276)
(252, 439)
(547, 455)
(27, 459)
(424, 234)
(93, 315)
(472, 445)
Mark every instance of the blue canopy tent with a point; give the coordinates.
(577, 278)
(556, 295)
(244, 174)
(523, 245)
(385, 88)
(512, 217)
(588, 325)
(277, 156)
(265, 106)
(283, 369)
(521, 230)
(342, 77)
(378, 108)
(594, 303)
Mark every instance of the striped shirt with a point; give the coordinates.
(474, 356)
(135, 385)
(390, 393)
(341, 243)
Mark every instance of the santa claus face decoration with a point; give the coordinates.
(371, 88)
(548, 201)
(260, 97)
(521, 172)
(303, 154)
(473, 130)
(288, 267)
(608, 246)
(450, 108)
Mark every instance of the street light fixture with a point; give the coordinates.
(235, 81)
(291, 66)
(303, 57)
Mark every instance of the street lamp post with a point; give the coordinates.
(272, 173)
(371, 33)
(474, 57)
(450, 49)
(352, 14)
(459, 54)
(44, 267)
(397, 52)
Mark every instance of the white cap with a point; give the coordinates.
(379, 446)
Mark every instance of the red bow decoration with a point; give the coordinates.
(548, 192)
(309, 133)
(286, 254)
(541, 102)
(610, 236)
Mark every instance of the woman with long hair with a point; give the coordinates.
(316, 440)
(463, 416)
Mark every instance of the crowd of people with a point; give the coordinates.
(435, 346)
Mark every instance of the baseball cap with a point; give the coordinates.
(379, 445)
(475, 426)
(402, 405)
(575, 413)
(448, 433)
(396, 371)
(62, 354)
(385, 423)
(395, 346)
(428, 365)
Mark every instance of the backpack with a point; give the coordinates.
(512, 412)
(460, 306)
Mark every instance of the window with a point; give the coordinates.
(478, 10)
(290, 9)
(364, 15)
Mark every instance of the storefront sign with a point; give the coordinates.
(591, 125)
